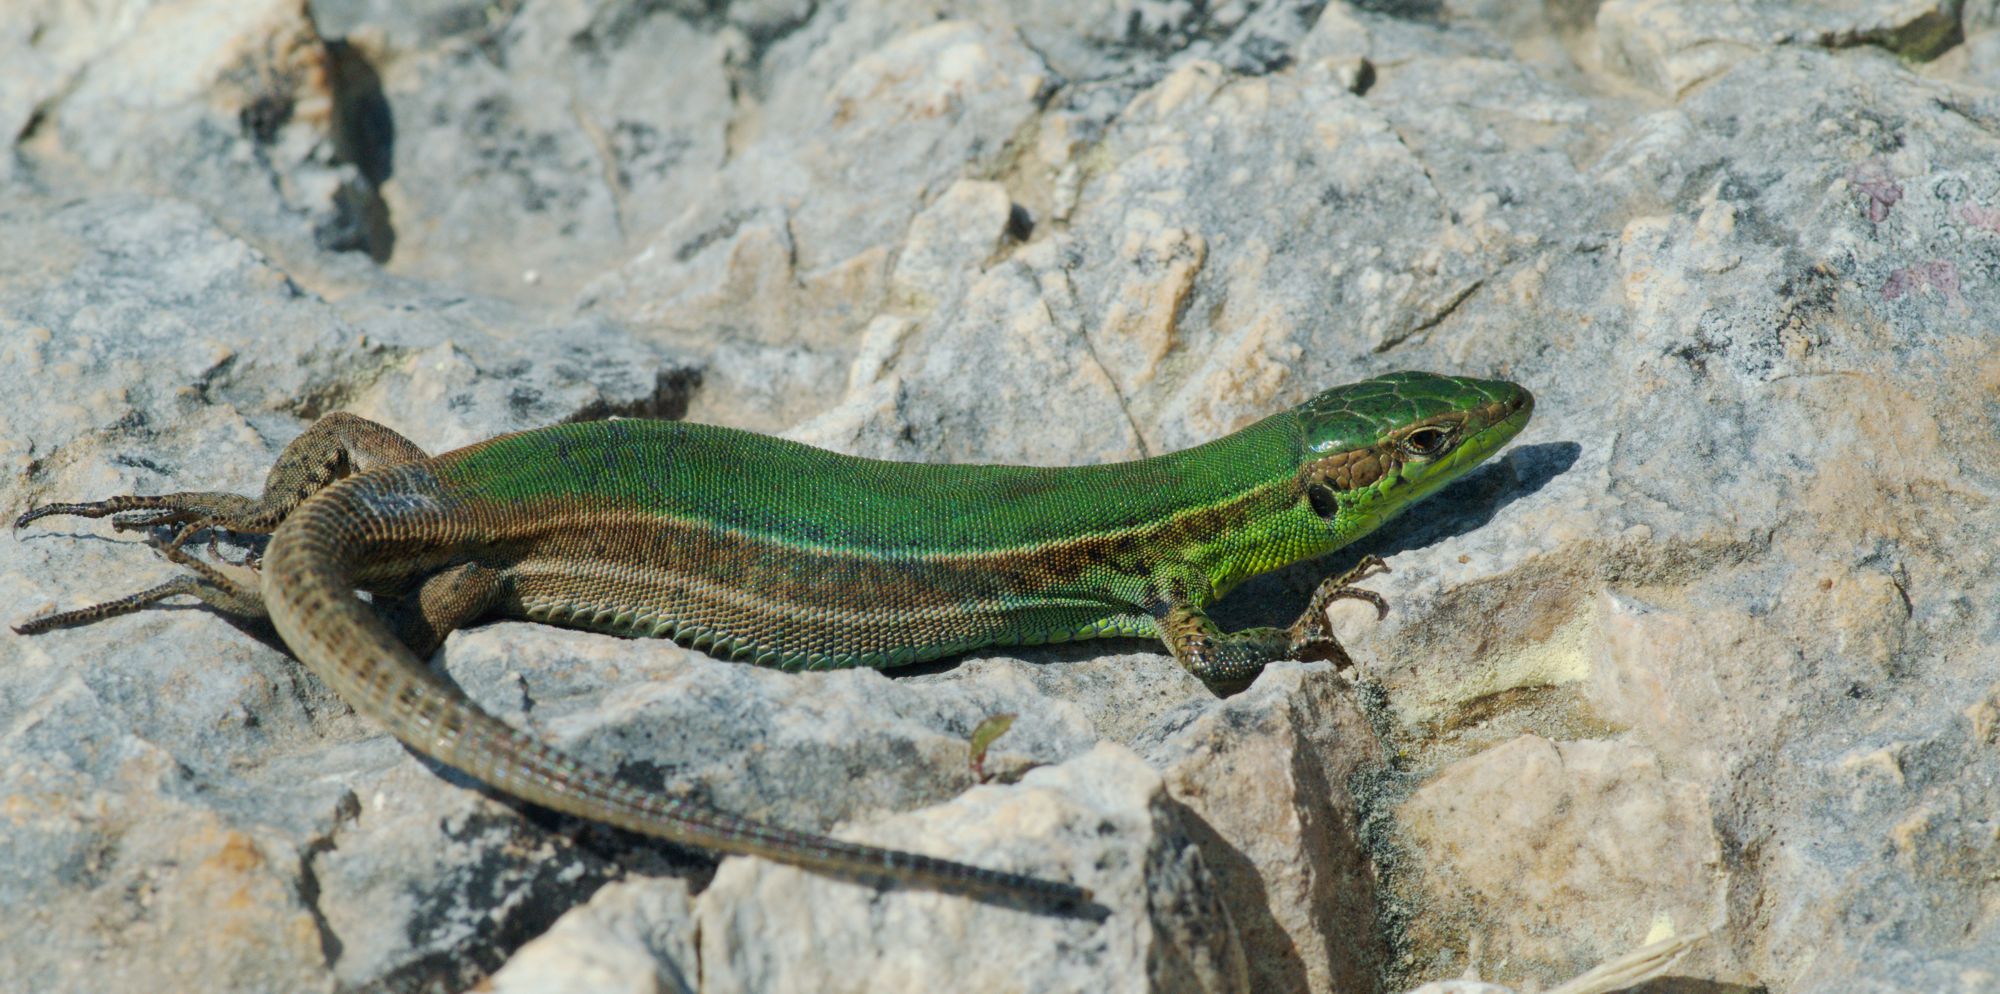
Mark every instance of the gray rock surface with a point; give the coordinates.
(1714, 646)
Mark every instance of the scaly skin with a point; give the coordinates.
(765, 550)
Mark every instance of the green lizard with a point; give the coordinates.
(760, 549)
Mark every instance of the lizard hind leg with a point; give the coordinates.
(336, 446)
(133, 511)
(212, 585)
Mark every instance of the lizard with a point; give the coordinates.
(761, 549)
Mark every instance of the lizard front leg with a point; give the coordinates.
(1233, 659)
(1312, 637)
(1220, 659)
(334, 447)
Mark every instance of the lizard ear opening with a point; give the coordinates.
(1322, 499)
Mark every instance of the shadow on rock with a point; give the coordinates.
(1690, 985)
(1274, 599)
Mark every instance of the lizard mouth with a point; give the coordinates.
(1508, 415)
(1504, 419)
(1520, 409)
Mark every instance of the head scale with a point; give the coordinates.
(1374, 447)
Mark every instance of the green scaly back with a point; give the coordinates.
(759, 548)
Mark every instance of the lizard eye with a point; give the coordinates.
(1426, 442)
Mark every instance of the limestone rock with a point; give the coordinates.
(1727, 605)
(1674, 46)
(1534, 835)
(632, 937)
(1104, 815)
(1272, 780)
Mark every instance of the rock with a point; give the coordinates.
(1675, 46)
(830, 746)
(46, 45)
(139, 277)
(207, 332)
(1269, 781)
(793, 245)
(1539, 835)
(1461, 987)
(630, 938)
(1017, 324)
(951, 242)
(1105, 814)
(1728, 600)
(533, 152)
(1728, 627)
(249, 113)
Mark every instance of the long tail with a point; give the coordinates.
(309, 587)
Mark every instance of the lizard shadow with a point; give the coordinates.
(601, 845)
(1677, 984)
(1274, 598)
(1043, 653)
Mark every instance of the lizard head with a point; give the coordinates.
(1375, 447)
